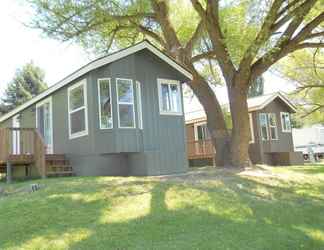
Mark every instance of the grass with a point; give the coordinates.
(263, 208)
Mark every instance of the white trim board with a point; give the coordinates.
(96, 64)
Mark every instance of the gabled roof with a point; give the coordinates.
(259, 102)
(254, 104)
(96, 64)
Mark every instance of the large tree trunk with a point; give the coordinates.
(239, 149)
(215, 119)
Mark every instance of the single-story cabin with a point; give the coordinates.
(121, 114)
(270, 128)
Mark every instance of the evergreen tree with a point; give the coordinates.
(27, 83)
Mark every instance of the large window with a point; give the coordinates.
(77, 106)
(264, 126)
(105, 104)
(285, 122)
(125, 100)
(201, 132)
(273, 126)
(169, 97)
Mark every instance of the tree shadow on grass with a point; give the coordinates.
(221, 218)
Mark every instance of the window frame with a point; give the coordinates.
(99, 103)
(251, 128)
(196, 125)
(83, 84)
(270, 126)
(267, 128)
(282, 122)
(126, 103)
(169, 82)
(139, 104)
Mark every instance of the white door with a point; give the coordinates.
(16, 135)
(44, 122)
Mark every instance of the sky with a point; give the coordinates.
(20, 44)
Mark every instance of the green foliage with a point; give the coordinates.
(27, 83)
(306, 70)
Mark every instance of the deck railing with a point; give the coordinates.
(19, 143)
(200, 149)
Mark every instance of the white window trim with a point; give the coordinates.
(251, 128)
(82, 83)
(161, 81)
(50, 101)
(282, 122)
(266, 127)
(139, 104)
(99, 102)
(276, 127)
(128, 103)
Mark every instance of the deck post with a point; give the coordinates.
(9, 172)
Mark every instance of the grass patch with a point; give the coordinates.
(263, 208)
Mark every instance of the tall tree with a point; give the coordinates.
(282, 27)
(244, 37)
(27, 83)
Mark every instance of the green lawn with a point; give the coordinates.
(264, 208)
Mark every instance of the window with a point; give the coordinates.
(273, 126)
(264, 126)
(105, 104)
(169, 97)
(285, 122)
(139, 105)
(77, 106)
(125, 100)
(251, 128)
(201, 132)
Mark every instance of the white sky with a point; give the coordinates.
(20, 44)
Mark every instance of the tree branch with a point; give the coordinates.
(195, 36)
(206, 55)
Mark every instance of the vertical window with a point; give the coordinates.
(105, 104)
(139, 105)
(77, 106)
(285, 122)
(125, 100)
(264, 126)
(201, 132)
(251, 128)
(169, 97)
(273, 126)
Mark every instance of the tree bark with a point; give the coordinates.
(215, 119)
(239, 148)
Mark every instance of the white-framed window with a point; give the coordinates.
(201, 131)
(169, 97)
(264, 126)
(273, 126)
(125, 103)
(105, 103)
(285, 122)
(251, 128)
(78, 110)
(139, 105)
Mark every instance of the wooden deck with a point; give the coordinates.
(24, 147)
(201, 149)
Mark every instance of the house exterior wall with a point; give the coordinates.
(156, 149)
